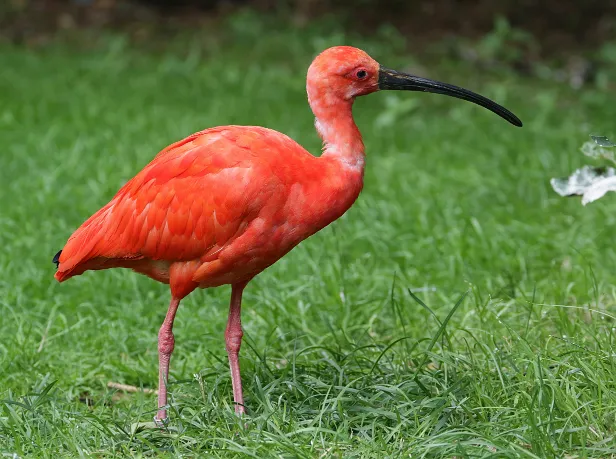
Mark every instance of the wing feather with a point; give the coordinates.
(193, 197)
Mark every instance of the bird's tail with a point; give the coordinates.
(80, 247)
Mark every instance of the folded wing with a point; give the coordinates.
(194, 198)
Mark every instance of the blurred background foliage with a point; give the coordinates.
(569, 41)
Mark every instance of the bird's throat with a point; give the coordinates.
(342, 140)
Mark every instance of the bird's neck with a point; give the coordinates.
(342, 140)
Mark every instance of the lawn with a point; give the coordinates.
(360, 342)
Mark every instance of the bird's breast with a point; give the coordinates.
(286, 219)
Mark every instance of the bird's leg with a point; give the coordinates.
(233, 341)
(166, 342)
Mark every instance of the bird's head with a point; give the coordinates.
(342, 73)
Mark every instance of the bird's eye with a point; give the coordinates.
(361, 74)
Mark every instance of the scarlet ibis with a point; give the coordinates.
(225, 203)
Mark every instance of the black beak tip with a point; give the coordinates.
(517, 121)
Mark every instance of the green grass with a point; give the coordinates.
(353, 343)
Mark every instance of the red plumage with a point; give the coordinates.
(216, 208)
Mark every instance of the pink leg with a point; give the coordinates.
(233, 340)
(166, 342)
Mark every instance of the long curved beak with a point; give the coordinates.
(391, 79)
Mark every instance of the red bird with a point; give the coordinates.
(224, 204)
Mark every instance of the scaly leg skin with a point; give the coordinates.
(166, 342)
(233, 341)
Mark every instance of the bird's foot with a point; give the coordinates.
(161, 423)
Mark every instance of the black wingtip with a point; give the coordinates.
(56, 259)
